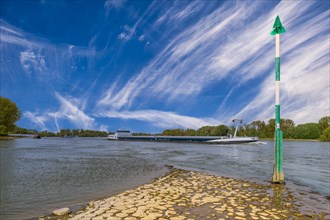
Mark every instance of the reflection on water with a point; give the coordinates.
(41, 175)
(278, 192)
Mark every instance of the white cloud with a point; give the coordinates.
(110, 4)
(36, 119)
(190, 9)
(304, 72)
(129, 31)
(114, 3)
(220, 48)
(178, 12)
(181, 69)
(142, 37)
(161, 119)
(71, 112)
(123, 36)
(32, 62)
(70, 109)
(5, 28)
(35, 55)
(304, 91)
(127, 34)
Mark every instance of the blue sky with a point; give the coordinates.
(153, 65)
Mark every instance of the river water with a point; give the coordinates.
(38, 176)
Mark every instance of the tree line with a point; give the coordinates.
(9, 114)
(60, 133)
(261, 129)
(74, 133)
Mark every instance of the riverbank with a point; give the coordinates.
(191, 195)
(6, 138)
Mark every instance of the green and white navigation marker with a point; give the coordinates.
(278, 174)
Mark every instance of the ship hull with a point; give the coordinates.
(189, 139)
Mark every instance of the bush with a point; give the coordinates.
(325, 136)
(3, 130)
(307, 131)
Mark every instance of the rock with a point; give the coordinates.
(139, 213)
(130, 211)
(154, 215)
(241, 214)
(62, 211)
(122, 214)
(209, 199)
(178, 218)
(130, 218)
(170, 212)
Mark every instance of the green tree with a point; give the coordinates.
(75, 132)
(9, 113)
(324, 123)
(287, 126)
(46, 133)
(270, 128)
(62, 133)
(258, 128)
(19, 130)
(205, 131)
(220, 130)
(307, 131)
(325, 136)
(3, 130)
(190, 132)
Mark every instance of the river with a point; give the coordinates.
(38, 176)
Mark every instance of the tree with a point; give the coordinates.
(287, 126)
(324, 123)
(190, 132)
(258, 128)
(325, 136)
(75, 132)
(46, 133)
(205, 131)
(270, 128)
(307, 131)
(9, 113)
(174, 132)
(220, 130)
(3, 130)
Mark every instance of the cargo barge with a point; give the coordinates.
(126, 135)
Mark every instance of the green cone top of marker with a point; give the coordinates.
(277, 27)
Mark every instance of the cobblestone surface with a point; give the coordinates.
(191, 195)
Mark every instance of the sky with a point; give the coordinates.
(147, 66)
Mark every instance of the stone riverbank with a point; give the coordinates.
(192, 195)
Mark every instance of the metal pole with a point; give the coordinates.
(278, 174)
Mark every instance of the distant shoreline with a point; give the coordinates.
(7, 138)
(260, 139)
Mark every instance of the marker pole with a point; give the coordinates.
(278, 174)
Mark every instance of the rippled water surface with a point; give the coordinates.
(38, 176)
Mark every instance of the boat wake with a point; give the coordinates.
(259, 143)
